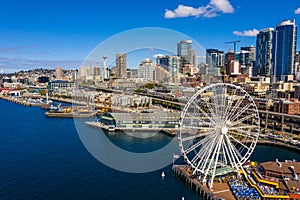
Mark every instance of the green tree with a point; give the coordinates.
(149, 85)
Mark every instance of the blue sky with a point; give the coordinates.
(50, 33)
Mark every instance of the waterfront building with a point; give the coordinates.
(185, 51)
(263, 63)
(284, 50)
(61, 87)
(285, 174)
(291, 107)
(121, 65)
(58, 73)
(141, 120)
(146, 70)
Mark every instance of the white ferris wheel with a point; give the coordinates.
(219, 129)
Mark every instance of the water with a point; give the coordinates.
(43, 158)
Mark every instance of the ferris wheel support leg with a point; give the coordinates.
(216, 162)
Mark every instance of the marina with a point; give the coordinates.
(22, 101)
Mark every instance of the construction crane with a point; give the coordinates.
(234, 44)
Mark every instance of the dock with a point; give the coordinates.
(220, 190)
(70, 115)
(98, 125)
(19, 101)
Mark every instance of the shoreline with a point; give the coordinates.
(167, 132)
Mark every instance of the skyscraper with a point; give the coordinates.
(264, 40)
(121, 65)
(284, 50)
(184, 50)
(247, 56)
(215, 58)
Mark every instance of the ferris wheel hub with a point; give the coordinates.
(224, 130)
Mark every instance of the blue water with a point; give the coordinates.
(44, 158)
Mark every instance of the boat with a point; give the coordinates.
(69, 112)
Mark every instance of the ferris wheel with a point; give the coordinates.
(219, 129)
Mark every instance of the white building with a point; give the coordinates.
(146, 70)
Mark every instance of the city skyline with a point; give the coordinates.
(63, 34)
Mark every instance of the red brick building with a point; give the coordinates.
(291, 107)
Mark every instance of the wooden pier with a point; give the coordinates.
(220, 190)
(18, 101)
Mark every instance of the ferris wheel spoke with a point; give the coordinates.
(224, 100)
(228, 154)
(208, 155)
(236, 152)
(233, 154)
(247, 134)
(216, 160)
(206, 115)
(196, 136)
(214, 157)
(241, 120)
(242, 111)
(193, 147)
(206, 152)
(215, 101)
(198, 118)
(199, 155)
(236, 106)
(212, 111)
(223, 152)
(198, 128)
(239, 142)
(243, 127)
(202, 151)
(229, 105)
(221, 104)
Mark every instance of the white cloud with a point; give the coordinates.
(249, 33)
(185, 11)
(222, 5)
(210, 10)
(297, 11)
